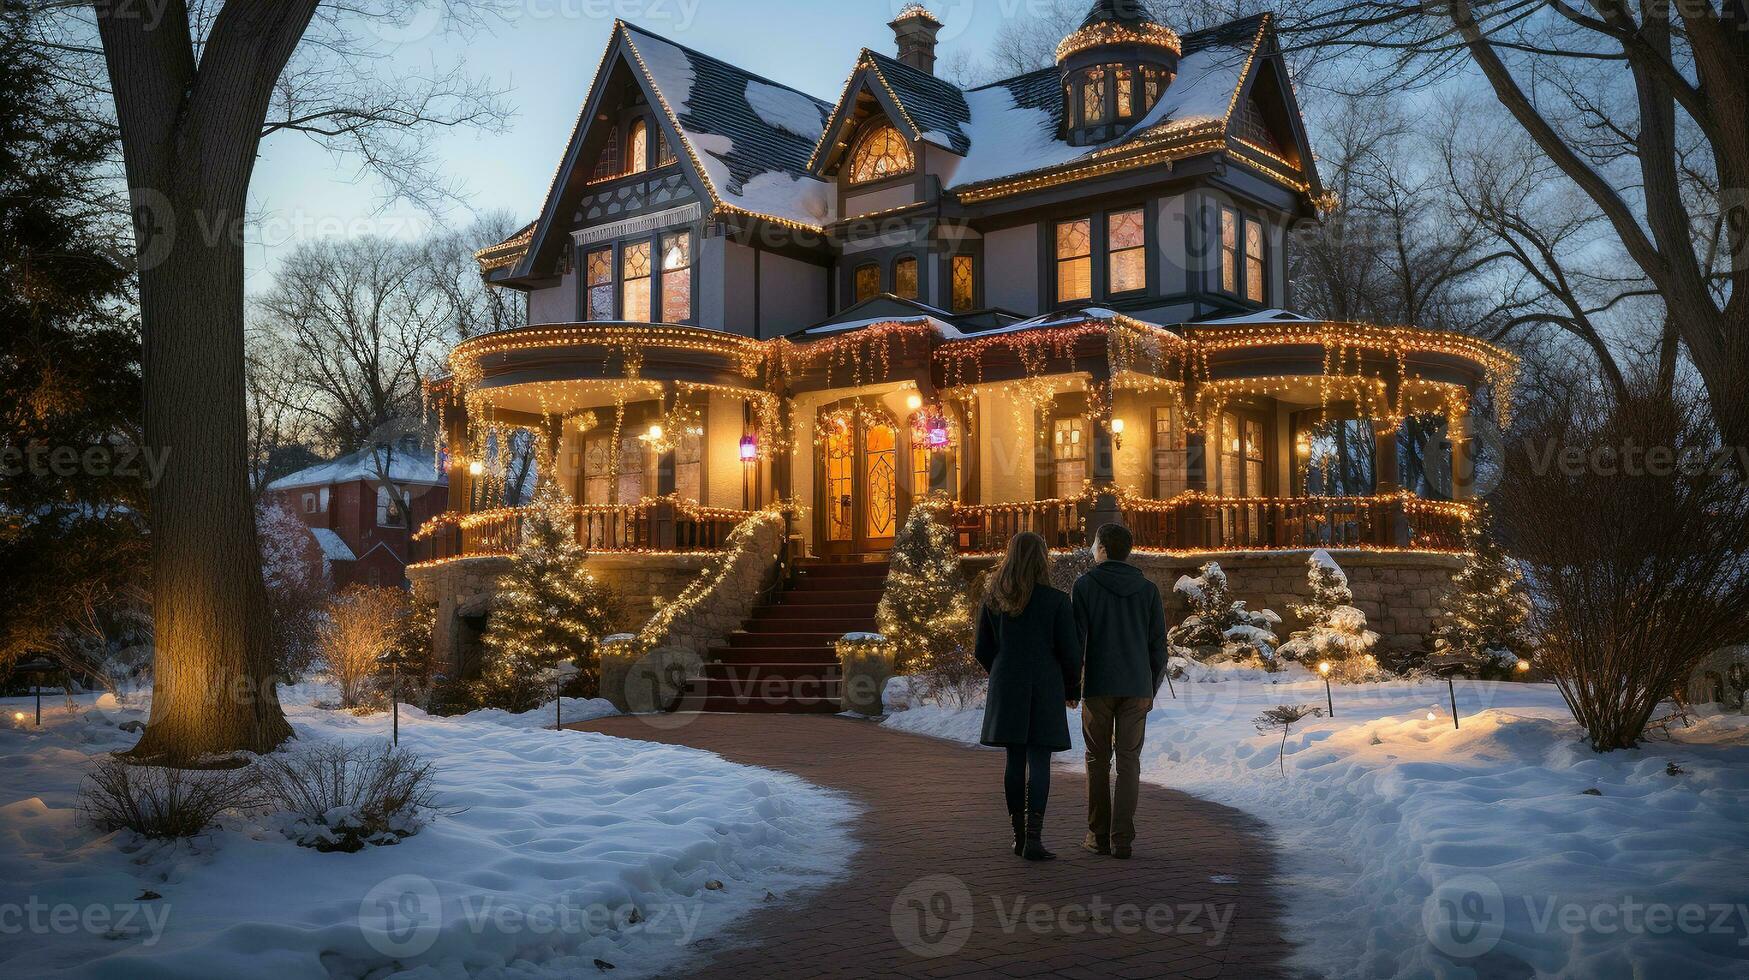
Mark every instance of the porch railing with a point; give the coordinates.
(656, 526)
(1195, 522)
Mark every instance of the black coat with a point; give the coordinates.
(1034, 661)
(1122, 625)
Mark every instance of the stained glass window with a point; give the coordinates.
(881, 153)
(1075, 260)
(880, 462)
(1253, 259)
(1126, 238)
(1229, 250)
(868, 281)
(1068, 457)
(1125, 98)
(905, 277)
(607, 165)
(599, 268)
(1093, 97)
(664, 151)
(1242, 255)
(597, 465)
(1153, 80)
(638, 147)
(965, 287)
(839, 462)
(635, 282)
(677, 277)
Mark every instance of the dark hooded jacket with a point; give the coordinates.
(1122, 623)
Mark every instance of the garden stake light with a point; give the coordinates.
(36, 668)
(1324, 668)
(1452, 690)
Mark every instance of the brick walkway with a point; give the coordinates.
(933, 892)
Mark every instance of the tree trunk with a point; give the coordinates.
(190, 132)
(213, 682)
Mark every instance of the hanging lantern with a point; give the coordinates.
(749, 448)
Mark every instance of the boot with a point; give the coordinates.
(1019, 822)
(1035, 848)
(1096, 843)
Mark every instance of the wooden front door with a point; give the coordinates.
(857, 477)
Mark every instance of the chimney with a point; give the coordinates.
(914, 30)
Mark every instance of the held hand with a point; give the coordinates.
(1072, 703)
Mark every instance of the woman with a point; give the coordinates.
(1028, 644)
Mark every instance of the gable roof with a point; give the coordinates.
(404, 466)
(747, 138)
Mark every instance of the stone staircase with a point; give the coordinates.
(783, 658)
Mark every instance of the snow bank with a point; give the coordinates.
(551, 840)
(1410, 849)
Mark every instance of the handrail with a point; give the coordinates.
(657, 526)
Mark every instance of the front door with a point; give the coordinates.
(858, 480)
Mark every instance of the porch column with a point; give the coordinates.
(662, 515)
(1393, 525)
(1105, 508)
(1463, 458)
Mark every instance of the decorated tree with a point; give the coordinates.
(549, 609)
(1483, 632)
(1336, 631)
(925, 611)
(1219, 628)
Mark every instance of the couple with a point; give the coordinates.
(1030, 640)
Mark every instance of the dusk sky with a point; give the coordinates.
(547, 52)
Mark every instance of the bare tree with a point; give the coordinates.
(1634, 545)
(1644, 108)
(195, 90)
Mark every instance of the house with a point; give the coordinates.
(1058, 299)
(361, 509)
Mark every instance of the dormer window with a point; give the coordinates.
(638, 147)
(1093, 97)
(881, 153)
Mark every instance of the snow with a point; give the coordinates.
(786, 109)
(1385, 815)
(1261, 316)
(547, 840)
(1004, 133)
(371, 463)
(334, 548)
(1201, 92)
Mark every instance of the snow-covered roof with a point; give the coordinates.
(334, 548)
(750, 136)
(1258, 316)
(397, 465)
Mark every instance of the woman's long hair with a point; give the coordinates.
(1028, 564)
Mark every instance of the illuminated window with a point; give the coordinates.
(1068, 457)
(664, 150)
(1125, 96)
(1075, 260)
(965, 289)
(688, 451)
(388, 514)
(598, 468)
(599, 268)
(677, 277)
(638, 147)
(1171, 456)
(1126, 239)
(1093, 97)
(1242, 248)
(868, 281)
(905, 277)
(881, 153)
(1153, 81)
(607, 165)
(635, 283)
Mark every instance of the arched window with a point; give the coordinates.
(881, 153)
(868, 281)
(664, 151)
(905, 277)
(638, 147)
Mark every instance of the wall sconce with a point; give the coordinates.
(749, 448)
(655, 433)
(476, 468)
(913, 401)
(1117, 433)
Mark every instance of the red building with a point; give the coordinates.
(362, 508)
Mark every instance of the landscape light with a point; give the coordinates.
(1329, 701)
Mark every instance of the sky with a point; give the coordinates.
(546, 52)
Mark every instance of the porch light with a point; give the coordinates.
(655, 432)
(749, 448)
(913, 401)
(1117, 433)
(476, 468)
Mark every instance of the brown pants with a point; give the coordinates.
(1108, 724)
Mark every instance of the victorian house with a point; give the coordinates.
(1056, 299)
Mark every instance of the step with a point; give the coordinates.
(783, 706)
(802, 596)
(763, 688)
(812, 656)
(752, 672)
(784, 622)
(787, 639)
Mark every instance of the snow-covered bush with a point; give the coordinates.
(296, 588)
(161, 802)
(338, 797)
(1336, 631)
(1219, 629)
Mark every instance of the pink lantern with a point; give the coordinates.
(749, 448)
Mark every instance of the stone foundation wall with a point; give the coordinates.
(463, 590)
(1400, 593)
(750, 571)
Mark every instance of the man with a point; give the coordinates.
(1123, 631)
